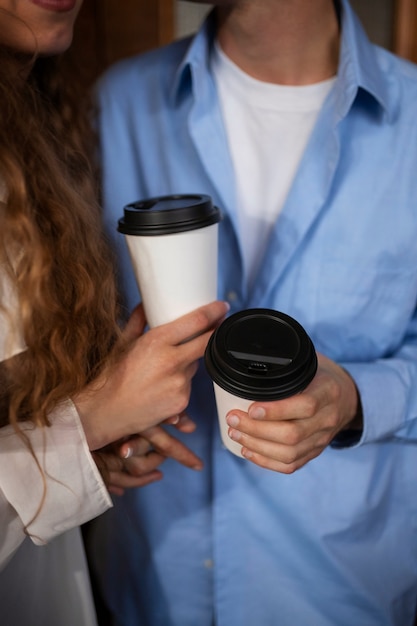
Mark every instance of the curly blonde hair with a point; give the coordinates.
(52, 245)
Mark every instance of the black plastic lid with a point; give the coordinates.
(164, 215)
(261, 354)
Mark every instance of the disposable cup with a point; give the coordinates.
(257, 355)
(173, 246)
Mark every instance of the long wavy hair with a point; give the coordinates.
(52, 248)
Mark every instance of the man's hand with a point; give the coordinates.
(286, 434)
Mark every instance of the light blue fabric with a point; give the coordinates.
(334, 544)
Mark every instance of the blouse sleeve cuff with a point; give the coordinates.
(57, 487)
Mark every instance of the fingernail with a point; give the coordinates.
(234, 434)
(257, 413)
(246, 453)
(232, 420)
(127, 453)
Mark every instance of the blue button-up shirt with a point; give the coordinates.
(335, 543)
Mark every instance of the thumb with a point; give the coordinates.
(136, 324)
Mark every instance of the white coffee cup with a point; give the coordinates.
(257, 355)
(173, 246)
(226, 402)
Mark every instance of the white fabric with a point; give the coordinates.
(74, 493)
(48, 585)
(267, 127)
(11, 339)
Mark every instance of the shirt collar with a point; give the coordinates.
(197, 56)
(358, 65)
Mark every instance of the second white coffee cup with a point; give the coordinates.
(257, 355)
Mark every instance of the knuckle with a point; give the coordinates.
(290, 468)
(333, 420)
(152, 340)
(202, 318)
(310, 406)
(170, 446)
(291, 457)
(325, 440)
(180, 399)
(177, 382)
(334, 390)
(293, 434)
(136, 467)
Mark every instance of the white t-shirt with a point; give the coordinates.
(267, 127)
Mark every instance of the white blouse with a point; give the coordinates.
(75, 491)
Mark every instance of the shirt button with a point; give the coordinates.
(231, 296)
(208, 563)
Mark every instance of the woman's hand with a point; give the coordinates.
(134, 462)
(151, 381)
(117, 473)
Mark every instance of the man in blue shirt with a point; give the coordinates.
(305, 135)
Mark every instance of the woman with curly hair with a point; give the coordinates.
(71, 381)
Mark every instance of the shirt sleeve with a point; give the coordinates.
(52, 490)
(388, 390)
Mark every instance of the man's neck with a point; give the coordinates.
(288, 42)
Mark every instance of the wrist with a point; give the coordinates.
(351, 433)
(93, 405)
(356, 423)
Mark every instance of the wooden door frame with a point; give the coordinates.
(405, 29)
(109, 30)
